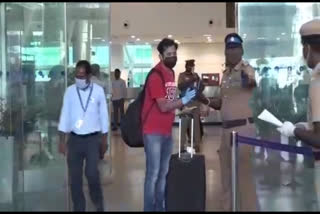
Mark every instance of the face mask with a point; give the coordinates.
(81, 83)
(170, 62)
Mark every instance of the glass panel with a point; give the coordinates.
(88, 36)
(89, 39)
(272, 45)
(35, 69)
(138, 59)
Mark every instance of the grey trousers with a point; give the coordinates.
(88, 149)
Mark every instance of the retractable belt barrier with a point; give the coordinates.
(237, 139)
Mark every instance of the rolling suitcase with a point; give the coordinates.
(186, 180)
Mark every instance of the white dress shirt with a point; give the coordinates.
(119, 89)
(95, 119)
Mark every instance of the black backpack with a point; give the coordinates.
(131, 123)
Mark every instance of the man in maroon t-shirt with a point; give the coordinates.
(158, 116)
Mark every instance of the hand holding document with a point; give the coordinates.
(270, 118)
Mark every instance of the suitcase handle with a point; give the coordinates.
(192, 124)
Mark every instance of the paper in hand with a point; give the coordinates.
(270, 118)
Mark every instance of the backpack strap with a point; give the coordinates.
(144, 88)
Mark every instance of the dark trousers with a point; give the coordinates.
(118, 106)
(80, 149)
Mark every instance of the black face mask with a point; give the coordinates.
(170, 62)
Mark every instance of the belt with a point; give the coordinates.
(85, 135)
(234, 123)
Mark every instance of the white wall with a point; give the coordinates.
(161, 19)
(209, 58)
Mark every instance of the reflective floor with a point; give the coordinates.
(123, 188)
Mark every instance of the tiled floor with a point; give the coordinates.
(123, 189)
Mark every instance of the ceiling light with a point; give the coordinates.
(147, 43)
(207, 35)
(283, 34)
(244, 35)
(133, 36)
(110, 42)
(169, 36)
(278, 38)
(260, 38)
(157, 40)
(138, 39)
(103, 40)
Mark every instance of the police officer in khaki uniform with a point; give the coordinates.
(309, 132)
(238, 82)
(190, 79)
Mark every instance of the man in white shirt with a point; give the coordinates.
(119, 92)
(96, 77)
(84, 118)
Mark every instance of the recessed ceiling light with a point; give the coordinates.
(157, 40)
(206, 35)
(103, 40)
(133, 36)
(278, 38)
(170, 36)
(138, 39)
(244, 35)
(110, 42)
(283, 34)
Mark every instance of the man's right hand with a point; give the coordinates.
(190, 93)
(62, 148)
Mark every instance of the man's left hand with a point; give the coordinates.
(287, 129)
(103, 148)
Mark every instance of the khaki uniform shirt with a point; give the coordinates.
(184, 76)
(235, 98)
(314, 98)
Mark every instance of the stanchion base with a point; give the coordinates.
(292, 184)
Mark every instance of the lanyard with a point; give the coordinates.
(87, 104)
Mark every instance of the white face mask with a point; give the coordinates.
(81, 83)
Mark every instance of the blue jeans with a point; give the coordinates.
(158, 149)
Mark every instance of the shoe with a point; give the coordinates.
(114, 129)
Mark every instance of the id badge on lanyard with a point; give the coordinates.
(80, 122)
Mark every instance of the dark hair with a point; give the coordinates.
(84, 64)
(117, 70)
(95, 69)
(165, 43)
